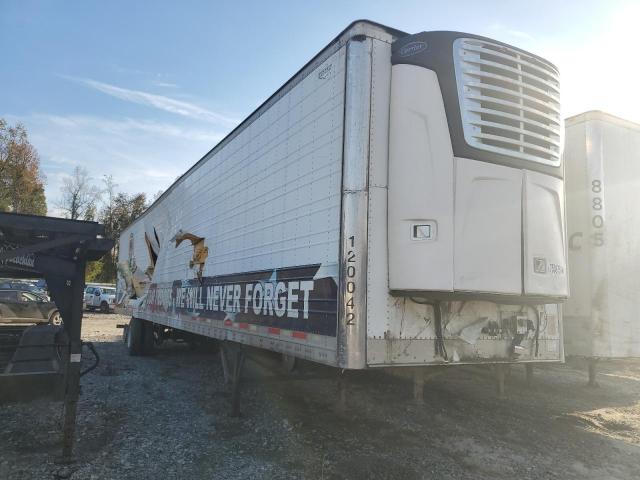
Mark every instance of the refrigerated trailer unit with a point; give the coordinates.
(398, 202)
(602, 158)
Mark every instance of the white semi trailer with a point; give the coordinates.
(398, 202)
(602, 158)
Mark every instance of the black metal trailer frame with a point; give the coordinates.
(57, 250)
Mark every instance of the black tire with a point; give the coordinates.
(104, 307)
(148, 338)
(134, 337)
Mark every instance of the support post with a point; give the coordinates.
(342, 386)
(73, 325)
(237, 373)
(591, 366)
(224, 360)
(289, 363)
(418, 386)
(500, 372)
(528, 368)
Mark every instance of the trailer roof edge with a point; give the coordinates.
(601, 116)
(255, 113)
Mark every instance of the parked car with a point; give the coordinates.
(22, 306)
(102, 298)
(22, 285)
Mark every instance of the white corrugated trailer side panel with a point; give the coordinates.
(602, 158)
(276, 195)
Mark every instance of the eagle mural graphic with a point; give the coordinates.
(200, 250)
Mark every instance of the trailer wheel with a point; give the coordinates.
(148, 337)
(134, 337)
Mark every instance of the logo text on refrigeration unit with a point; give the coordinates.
(412, 48)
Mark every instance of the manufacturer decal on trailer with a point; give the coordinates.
(325, 72)
(539, 264)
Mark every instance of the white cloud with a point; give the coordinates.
(165, 84)
(142, 155)
(125, 125)
(161, 102)
(504, 33)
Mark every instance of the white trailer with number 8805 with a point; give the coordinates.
(602, 158)
(398, 202)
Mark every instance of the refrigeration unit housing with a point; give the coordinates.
(399, 201)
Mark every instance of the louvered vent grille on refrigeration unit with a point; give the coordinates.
(509, 101)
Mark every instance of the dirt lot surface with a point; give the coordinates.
(167, 417)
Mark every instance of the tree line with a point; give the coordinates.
(81, 198)
(21, 180)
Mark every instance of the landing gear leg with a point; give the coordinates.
(500, 371)
(528, 369)
(418, 386)
(237, 373)
(232, 372)
(289, 363)
(226, 372)
(342, 387)
(591, 366)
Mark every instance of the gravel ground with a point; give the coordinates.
(167, 416)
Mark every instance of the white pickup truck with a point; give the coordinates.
(102, 298)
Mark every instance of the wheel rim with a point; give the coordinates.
(56, 319)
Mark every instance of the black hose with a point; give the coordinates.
(537, 330)
(437, 324)
(440, 347)
(420, 302)
(90, 346)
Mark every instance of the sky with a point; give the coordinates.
(141, 90)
